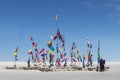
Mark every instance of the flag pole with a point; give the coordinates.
(56, 19)
(98, 58)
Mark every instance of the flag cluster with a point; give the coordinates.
(60, 37)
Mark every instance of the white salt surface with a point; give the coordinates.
(112, 74)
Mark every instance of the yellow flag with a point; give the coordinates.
(15, 53)
(49, 42)
(50, 51)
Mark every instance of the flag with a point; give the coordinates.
(74, 60)
(16, 53)
(50, 51)
(33, 43)
(49, 44)
(55, 37)
(59, 34)
(42, 51)
(30, 52)
(52, 48)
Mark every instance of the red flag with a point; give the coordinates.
(55, 37)
(33, 43)
(74, 60)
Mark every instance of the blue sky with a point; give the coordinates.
(99, 19)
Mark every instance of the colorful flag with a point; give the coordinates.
(49, 44)
(41, 52)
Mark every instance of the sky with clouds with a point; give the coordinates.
(99, 19)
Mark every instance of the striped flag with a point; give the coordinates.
(33, 43)
(42, 51)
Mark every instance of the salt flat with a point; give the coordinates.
(112, 74)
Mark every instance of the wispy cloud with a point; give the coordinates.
(90, 3)
(87, 3)
(113, 6)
